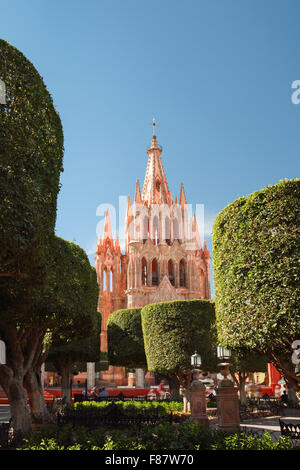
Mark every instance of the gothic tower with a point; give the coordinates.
(163, 257)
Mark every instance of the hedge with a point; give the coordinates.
(125, 339)
(174, 330)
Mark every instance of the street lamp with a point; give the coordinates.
(196, 364)
(224, 354)
(196, 360)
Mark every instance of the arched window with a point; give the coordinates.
(171, 272)
(176, 229)
(182, 275)
(154, 273)
(145, 228)
(167, 228)
(110, 281)
(107, 280)
(144, 272)
(155, 233)
(104, 280)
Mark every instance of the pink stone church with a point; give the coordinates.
(163, 258)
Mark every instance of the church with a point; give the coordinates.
(163, 258)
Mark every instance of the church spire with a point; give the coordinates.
(155, 188)
(137, 197)
(107, 227)
(182, 198)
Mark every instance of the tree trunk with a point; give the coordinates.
(242, 382)
(38, 408)
(186, 400)
(174, 387)
(19, 411)
(66, 391)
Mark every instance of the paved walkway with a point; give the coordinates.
(269, 423)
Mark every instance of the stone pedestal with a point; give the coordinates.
(198, 403)
(228, 406)
(131, 379)
(90, 374)
(139, 378)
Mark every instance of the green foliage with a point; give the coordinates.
(69, 301)
(247, 361)
(130, 407)
(174, 330)
(31, 152)
(256, 253)
(252, 441)
(185, 436)
(125, 338)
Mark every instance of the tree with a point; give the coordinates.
(65, 354)
(31, 152)
(125, 339)
(172, 332)
(256, 253)
(242, 364)
(68, 308)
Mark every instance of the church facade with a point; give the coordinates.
(163, 258)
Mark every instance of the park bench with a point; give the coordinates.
(290, 430)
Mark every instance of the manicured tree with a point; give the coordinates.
(256, 253)
(68, 306)
(172, 332)
(125, 339)
(31, 151)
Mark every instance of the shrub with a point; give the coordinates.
(186, 436)
(125, 338)
(174, 330)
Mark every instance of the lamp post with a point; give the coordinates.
(227, 394)
(224, 354)
(196, 364)
(197, 393)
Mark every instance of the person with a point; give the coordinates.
(284, 397)
(103, 393)
(94, 392)
(86, 393)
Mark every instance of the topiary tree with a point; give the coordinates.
(125, 339)
(256, 253)
(65, 311)
(31, 152)
(69, 305)
(172, 332)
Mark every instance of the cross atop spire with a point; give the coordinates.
(154, 125)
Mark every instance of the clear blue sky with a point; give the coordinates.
(215, 74)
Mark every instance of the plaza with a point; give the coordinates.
(149, 227)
